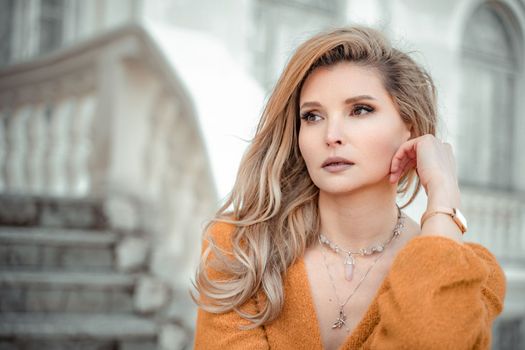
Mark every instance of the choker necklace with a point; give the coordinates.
(349, 262)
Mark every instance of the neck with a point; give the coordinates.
(359, 219)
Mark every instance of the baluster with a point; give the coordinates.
(3, 148)
(59, 142)
(486, 220)
(183, 174)
(516, 229)
(476, 212)
(504, 226)
(150, 161)
(492, 230)
(172, 171)
(81, 147)
(156, 161)
(521, 231)
(495, 216)
(36, 149)
(503, 232)
(510, 221)
(17, 149)
(513, 227)
(178, 146)
(168, 177)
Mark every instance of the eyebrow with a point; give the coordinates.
(348, 101)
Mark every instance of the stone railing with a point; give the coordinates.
(496, 220)
(109, 121)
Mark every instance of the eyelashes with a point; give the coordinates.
(310, 117)
(364, 109)
(357, 110)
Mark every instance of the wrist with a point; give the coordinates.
(453, 213)
(442, 225)
(444, 197)
(443, 202)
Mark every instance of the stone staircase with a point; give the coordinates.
(60, 287)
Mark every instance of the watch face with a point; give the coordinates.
(461, 218)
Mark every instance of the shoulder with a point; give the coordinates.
(217, 249)
(218, 234)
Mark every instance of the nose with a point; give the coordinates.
(334, 133)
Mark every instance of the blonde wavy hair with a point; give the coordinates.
(273, 204)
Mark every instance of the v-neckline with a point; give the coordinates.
(371, 314)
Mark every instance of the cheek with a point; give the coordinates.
(384, 149)
(310, 153)
(303, 147)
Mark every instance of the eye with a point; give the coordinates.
(310, 117)
(361, 110)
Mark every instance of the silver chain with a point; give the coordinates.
(341, 306)
(378, 248)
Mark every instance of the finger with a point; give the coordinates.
(408, 149)
(409, 166)
(394, 177)
(401, 155)
(404, 164)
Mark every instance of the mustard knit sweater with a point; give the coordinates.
(438, 294)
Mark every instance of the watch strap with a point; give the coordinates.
(443, 210)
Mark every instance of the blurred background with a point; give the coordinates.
(122, 124)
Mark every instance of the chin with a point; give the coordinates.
(346, 186)
(337, 188)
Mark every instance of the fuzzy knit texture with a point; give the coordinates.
(438, 294)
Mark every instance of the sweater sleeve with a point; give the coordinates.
(440, 295)
(221, 331)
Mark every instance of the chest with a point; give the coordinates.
(329, 290)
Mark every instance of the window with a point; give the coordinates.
(51, 24)
(281, 25)
(489, 80)
(6, 27)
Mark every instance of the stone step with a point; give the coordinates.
(26, 210)
(46, 248)
(76, 331)
(66, 292)
(78, 344)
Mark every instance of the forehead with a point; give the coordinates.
(346, 79)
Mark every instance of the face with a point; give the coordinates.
(350, 128)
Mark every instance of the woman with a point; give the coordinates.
(311, 251)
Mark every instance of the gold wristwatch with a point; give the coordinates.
(455, 213)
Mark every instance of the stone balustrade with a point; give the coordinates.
(496, 220)
(109, 122)
(107, 119)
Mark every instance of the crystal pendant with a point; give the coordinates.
(349, 267)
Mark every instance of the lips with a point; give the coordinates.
(335, 162)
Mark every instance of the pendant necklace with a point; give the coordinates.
(349, 261)
(349, 266)
(341, 319)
